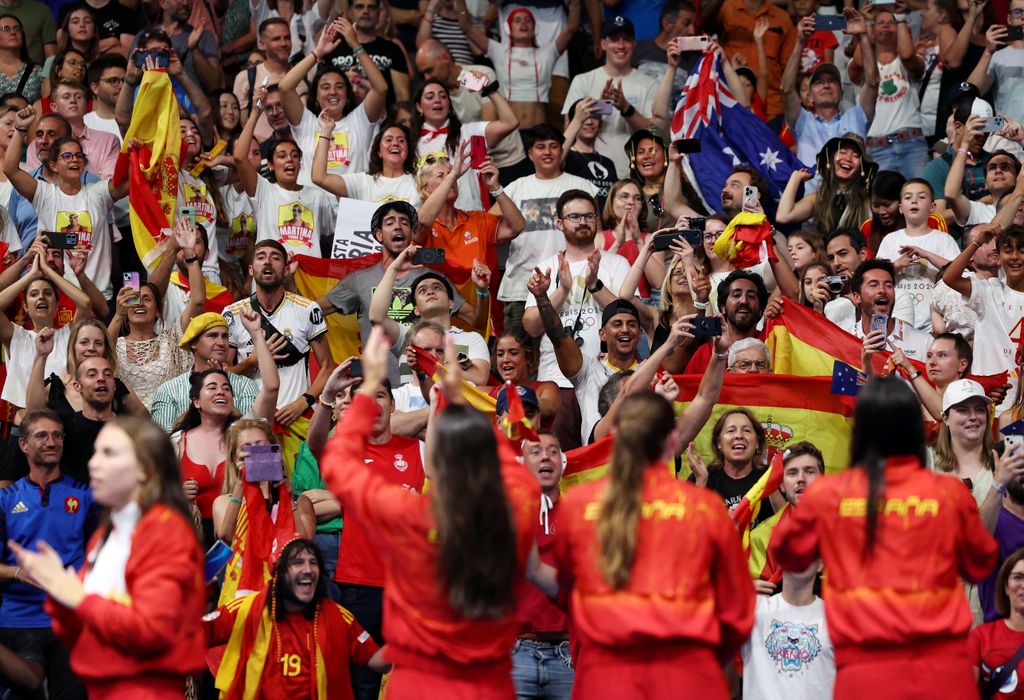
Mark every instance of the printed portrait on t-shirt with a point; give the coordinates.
(337, 152)
(195, 197)
(76, 222)
(243, 233)
(295, 225)
(539, 214)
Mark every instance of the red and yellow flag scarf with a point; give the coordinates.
(240, 673)
(480, 400)
(749, 506)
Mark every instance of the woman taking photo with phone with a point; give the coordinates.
(896, 540)
(452, 557)
(131, 617)
(200, 434)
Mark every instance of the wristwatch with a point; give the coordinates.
(189, 261)
(628, 112)
(310, 400)
(596, 288)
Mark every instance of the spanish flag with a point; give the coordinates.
(515, 424)
(153, 192)
(314, 277)
(749, 506)
(480, 400)
(587, 463)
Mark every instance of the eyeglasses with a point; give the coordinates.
(576, 218)
(10, 29)
(1017, 12)
(56, 436)
(710, 237)
(112, 81)
(747, 365)
(68, 156)
(73, 62)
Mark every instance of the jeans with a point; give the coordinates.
(905, 157)
(42, 646)
(366, 603)
(328, 544)
(542, 670)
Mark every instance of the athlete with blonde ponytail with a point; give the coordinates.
(660, 594)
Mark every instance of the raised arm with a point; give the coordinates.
(24, 183)
(673, 200)
(247, 174)
(97, 305)
(290, 100)
(83, 307)
(567, 353)
(474, 33)
(661, 108)
(697, 413)
(380, 302)
(857, 25)
(912, 61)
(335, 184)
(790, 210)
(433, 204)
(375, 100)
(954, 275)
(564, 38)
(953, 44)
(533, 322)
(270, 379)
(956, 200)
(512, 220)
(790, 93)
(196, 95)
(505, 124)
(35, 389)
(1010, 204)
(323, 413)
(760, 29)
(995, 39)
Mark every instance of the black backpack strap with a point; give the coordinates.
(1001, 674)
(251, 73)
(24, 78)
(293, 355)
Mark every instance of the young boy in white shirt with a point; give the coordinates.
(918, 251)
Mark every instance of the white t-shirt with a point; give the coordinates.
(295, 218)
(298, 318)
(349, 151)
(382, 189)
(789, 655)
(540, 239)
(638, 90)
(1007, 69)
(843, 313)
(914, 280)
(88, 213)
(912, 342)
(192, 192)
(98, 123)
(981, 213)
(593, 375)
(9, 232)
(22, 353)
(240, 232)
(408, 398)
(434, 144)
(612, 270)
(523, 72)
(898, 106)
(1001, 314)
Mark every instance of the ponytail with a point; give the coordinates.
(643, 422)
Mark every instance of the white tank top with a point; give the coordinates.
(898, 106)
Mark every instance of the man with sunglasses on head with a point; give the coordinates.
(583, 280)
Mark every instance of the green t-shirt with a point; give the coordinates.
(306, 476)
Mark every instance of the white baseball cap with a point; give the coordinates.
(981, 108)
(959, 391)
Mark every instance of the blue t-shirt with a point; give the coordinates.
(63, 514)
(1010, 536)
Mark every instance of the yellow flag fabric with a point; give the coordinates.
(154, 167)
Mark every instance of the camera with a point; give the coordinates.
(836, 283)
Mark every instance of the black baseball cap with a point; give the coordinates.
(619, 306)
(619, 25)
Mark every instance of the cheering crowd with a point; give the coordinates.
(454, 349)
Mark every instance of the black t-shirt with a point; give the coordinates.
(385, 54)
(732, 490)
(598, 169)
(112, 20)
(80, 436)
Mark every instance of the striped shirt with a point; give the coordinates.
(449, 33)
(172, 400)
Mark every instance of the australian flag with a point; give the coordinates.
(729, 133)
(846, 379)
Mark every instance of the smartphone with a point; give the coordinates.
(131, 279)
(472, 81)
(1012, 443)
(428, 256)
(880, 323)
(188, 213)
(751, 197)
(264, 464)
(160, 58)
(477, 151)
(1015, 33)
(707, 326)
(687, 145)
(993, 124)
(61, 241)
(836, 283)
(693, 43)
(355, 368)
(697, 223)
(217, 557)
(603, 108)
(830, 22)
(885, 7)
(664, 241)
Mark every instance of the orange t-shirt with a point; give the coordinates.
(473, 236)
(737, 36)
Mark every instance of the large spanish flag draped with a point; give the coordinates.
(314, 277)
(789, 408)
(807, 344)
(154, 167)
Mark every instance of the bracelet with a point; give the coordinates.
(489, 89)
(964, 151)
(628, 112)
(899, 17)
(483, 293)
(325, 137)
(314, 54)
(17, 574)
(700, 305)
(999, 487)
(357, 50)
(723, 356)
(498, 193)
(310, 400)
(596, 288)
(429, 14)
(325, 404)
(189, 261)
(235, 499)
(913, 376)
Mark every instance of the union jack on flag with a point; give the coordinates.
(730, 134)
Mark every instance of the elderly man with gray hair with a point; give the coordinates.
(750, 356)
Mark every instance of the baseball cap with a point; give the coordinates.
(619, 25)
(825, 69)
(619, 306)
(527, 395)
(961, 390)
